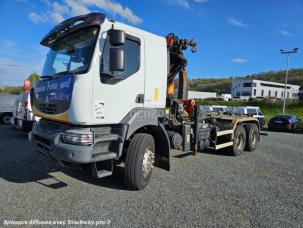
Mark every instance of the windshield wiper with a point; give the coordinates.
(65, 73)
(47, 77)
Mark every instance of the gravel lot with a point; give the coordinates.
(263, 188)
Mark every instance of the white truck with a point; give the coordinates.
(106, 98)
(6, 107)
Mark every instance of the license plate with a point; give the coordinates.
(278, 121)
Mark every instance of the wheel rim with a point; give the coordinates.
(6, 119)
(148, 162)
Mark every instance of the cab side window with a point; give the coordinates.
(131, 49)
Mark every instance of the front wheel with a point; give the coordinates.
(139, 161)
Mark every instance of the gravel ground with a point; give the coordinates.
(259, 189)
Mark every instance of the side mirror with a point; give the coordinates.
(117, 37)
(116, 59)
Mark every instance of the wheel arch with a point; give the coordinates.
(150, 121)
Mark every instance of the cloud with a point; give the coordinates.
(236, 22)
(38, 18)
(239, 61)
(116, 9)
(76, 8)
(58, 11)
(183, 3)
(56, 17)
(284, 33)
(200, 1)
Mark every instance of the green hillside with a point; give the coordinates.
(222, 85)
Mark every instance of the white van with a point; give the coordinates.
(213, 108)
(6, 106)
(251, 110)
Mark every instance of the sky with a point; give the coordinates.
(235, 37)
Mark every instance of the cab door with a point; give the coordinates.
(116, 94)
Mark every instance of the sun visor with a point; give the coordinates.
(70, 25)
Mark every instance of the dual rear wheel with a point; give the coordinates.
(246, 137)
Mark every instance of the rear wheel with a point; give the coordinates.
(252, 136)
(239, 141)
(6, 118)
(139, 161)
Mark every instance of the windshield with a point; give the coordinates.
(218, 109)
(252, 111)
(72, 53)
(239, 111)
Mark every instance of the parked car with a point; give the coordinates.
(23, 117)
(206, 109)
(287, 122)
(213, 108)
(251, 111)
(6, 105)
(219, 108)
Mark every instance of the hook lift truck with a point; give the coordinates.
(106, 98)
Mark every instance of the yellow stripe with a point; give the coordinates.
(156, 95)
(63, 117)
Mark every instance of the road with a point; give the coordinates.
(259, 189)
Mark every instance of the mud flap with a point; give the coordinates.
(162, 147)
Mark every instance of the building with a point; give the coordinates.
(200, 95)
(245, 89)
(224, 96)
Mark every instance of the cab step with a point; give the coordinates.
(102, 168)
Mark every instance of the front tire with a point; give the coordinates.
(239, 141)
(139, 161)
(252, 137)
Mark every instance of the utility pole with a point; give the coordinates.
(287, 53)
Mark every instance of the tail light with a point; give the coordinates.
(289, 122)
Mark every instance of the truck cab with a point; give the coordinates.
(102, 81)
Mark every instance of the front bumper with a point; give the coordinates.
(49, 141)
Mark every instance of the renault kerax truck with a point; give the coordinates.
(107, 97)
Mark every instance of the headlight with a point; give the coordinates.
(78, 138)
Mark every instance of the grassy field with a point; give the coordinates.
(268, 108)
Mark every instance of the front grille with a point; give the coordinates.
(48, 108)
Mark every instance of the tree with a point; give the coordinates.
(33, 77)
